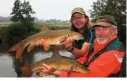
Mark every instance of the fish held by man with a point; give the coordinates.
(57, 62)
(51, 37)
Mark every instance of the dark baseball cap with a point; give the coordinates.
(105, 21)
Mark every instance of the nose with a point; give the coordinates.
(99, 31)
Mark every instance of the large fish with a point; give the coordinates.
(58, 62)
(51, 37)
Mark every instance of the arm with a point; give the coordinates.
(103, 66)
(77, 52)
(82, 51)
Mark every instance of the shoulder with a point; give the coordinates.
(112, 55)
(115, 45)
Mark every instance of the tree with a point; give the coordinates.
(27, 12)
(22, 12)
(116, 8)
(16, 12)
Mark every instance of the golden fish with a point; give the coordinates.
(52, 37)
(58, 62)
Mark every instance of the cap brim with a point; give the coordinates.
(77, 12)
(103, 24)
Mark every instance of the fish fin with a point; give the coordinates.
(30, 47)
(14, 48)
(69, 72)
(45, 28)
(19, 52)
(26, 71)
(63, 39)
(56, 52)
(46, 48)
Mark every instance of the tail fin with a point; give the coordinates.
(14, 48)
(18, 49)
(26, 71)
(19, 52)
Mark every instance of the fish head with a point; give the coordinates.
(75, 35)
(80, 68)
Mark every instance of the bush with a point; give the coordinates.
(16, 32)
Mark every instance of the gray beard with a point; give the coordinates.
(102, 41)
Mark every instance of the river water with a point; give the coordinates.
(7, 61)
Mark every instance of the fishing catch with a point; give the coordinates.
(51, 37)
(58, 62)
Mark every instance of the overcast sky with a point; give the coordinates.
(49, 9)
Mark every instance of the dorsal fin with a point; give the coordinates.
(45, 28)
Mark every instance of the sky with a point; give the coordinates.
(49, 9)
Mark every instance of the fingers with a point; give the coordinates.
(68, 43)
(38, 70)
(46, 70)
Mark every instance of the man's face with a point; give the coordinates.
(103, 34)
(78, 20)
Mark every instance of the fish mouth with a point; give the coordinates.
(80, 38)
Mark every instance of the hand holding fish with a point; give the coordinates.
(46, 39)
(68, 43)
(47, 70)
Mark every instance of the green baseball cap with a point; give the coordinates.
(105, 21)
(79, 10)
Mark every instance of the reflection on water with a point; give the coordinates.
(8, 65)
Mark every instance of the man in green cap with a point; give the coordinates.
(105, 54)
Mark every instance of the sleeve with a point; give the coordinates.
(103, 66)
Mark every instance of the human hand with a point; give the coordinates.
(44, 71)
(67, 43)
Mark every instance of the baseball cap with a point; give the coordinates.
(79, 10)
(105, 21)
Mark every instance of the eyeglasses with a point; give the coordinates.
(76, 18)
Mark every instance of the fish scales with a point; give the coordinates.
(52, 37)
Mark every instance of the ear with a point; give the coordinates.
(115, 31)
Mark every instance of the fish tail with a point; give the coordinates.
(14, 48)
(19, 52)
(26, 71)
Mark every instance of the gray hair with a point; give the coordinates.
(113, 26)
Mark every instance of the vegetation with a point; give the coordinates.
(22, 12)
